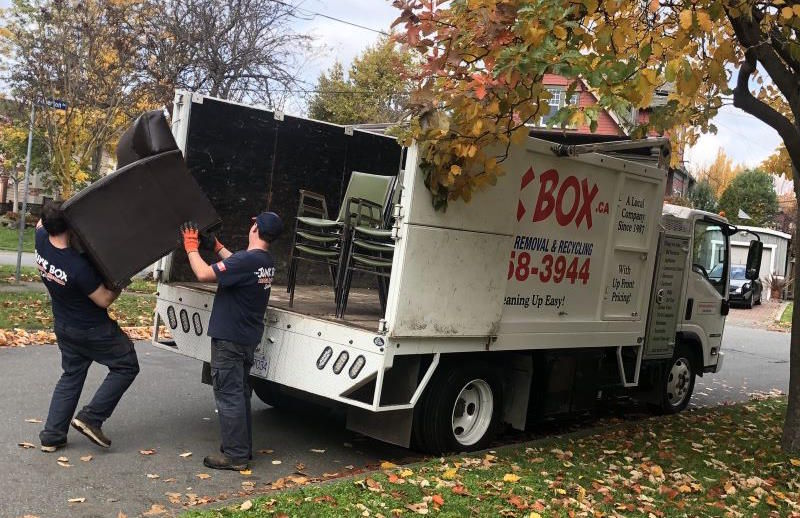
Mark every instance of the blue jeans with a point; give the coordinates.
(106, 345)
(230, 370)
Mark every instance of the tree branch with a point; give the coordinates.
(744, 100)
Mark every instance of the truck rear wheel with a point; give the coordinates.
(678, 383)
(268, 392)
(460, 409)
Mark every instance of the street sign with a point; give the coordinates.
(57, 104)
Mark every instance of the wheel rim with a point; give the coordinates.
(472, 412)
(678, 382)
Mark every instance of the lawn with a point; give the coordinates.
(9, 239)
(32, 311)
(786, 317)
(723, 461)
(27, 274)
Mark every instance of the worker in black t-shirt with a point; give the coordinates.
(244, 281)
(85, 334)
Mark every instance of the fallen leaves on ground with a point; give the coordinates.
(185, 454)
(153, 476)
(203, 476)
(724, 461)
(246, 505)
(18, 337)
(77, 500)
(22, 338)
(86, 458)
(155, 510)
(147, 452)
(33, 420)
(26, 445)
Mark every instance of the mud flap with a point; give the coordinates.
(393, 427)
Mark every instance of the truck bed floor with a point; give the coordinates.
(363, 306)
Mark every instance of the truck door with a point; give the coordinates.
(707, 284)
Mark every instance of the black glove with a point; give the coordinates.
(209, 241)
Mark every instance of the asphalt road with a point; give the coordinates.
(756, 362)
(170, 411)
(10, 257)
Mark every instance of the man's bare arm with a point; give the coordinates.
(103, 296)
(202, 271)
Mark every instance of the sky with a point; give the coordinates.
(743, 137)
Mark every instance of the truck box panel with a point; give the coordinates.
(129, 219)
(561, 255)
(451, 285)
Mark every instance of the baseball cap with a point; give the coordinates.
(269, 223)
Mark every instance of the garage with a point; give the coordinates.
(773, 260)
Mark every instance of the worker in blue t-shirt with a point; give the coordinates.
(244, 280)
(85, 334)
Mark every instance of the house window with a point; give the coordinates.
(558, 99)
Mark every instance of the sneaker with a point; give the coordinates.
(224, 462)
(93, 433)
(222, 450)
(51, 447)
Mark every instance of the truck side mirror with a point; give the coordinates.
(754, 260)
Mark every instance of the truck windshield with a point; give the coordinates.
(710, 254)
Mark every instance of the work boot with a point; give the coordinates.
(50, 447)
(224, 462)
(222, 450)
(92, 432)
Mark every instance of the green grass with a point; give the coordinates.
(31, 311)
(9, 239)
(147, 285)
(724, 461)
(786, 317)
(27, 274)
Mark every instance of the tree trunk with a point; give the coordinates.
(16, 197)
(791, 426)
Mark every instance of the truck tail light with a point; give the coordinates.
(173, 320)
(340, 362)
(355, 368)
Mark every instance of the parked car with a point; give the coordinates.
(742, 291)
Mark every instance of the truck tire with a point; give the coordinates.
(460, 409)
(267, 392)
(678, 383)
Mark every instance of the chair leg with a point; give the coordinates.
(382, 292)
(348, 278)
(334, 278)
(291, 274)
(292, 281)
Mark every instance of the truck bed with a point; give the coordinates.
(363, 306)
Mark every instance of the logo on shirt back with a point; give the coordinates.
(50, 272)
(265, 276)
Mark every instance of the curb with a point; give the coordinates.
(781, 309)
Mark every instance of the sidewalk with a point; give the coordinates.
(10, 257)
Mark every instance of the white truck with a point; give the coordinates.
(566, 283)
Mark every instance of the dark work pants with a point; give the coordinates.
(230, 369)
(106, 345)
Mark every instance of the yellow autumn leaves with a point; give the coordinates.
(486, 63)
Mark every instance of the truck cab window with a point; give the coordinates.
(710, 256)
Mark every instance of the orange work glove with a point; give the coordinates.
(191, 237)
